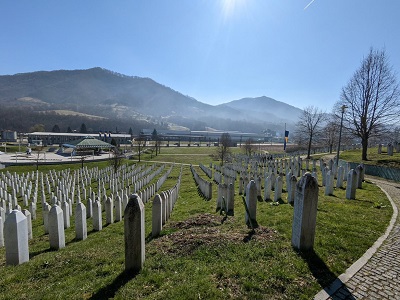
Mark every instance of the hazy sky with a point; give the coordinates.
(213, 50)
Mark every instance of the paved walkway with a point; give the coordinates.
(376, 275)
(46, 158)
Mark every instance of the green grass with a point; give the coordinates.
(202, 262)
(185, 155)
(373, 157)
(11, 148)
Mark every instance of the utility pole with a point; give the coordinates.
(340, 135)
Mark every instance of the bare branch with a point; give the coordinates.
(372, 97)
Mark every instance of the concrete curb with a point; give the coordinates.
(354, 268)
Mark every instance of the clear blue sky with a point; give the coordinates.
(213, 50)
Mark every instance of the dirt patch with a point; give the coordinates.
(230, 286)
(207, 220)
(208, 230)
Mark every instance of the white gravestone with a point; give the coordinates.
(56, 228)
(134, 232)
(1, 232)
(278, 189)
(230, 198)
(267, 189)
(89, 208)
(329, 183)
(156, 218)
(292, 189)
(16, 238)
(339, 182)
(80, 221)
(29, 222)
(251, 202)
(305, 213)
(66, 215)
(97, 218)
(118, 208)
(351, 184)
(109, 211)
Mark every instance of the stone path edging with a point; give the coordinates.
(355, 267)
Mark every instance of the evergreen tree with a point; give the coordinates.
(55, 128)
(83, 128)
(113, 142)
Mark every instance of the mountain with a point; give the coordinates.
(265, 109)
(98, 94)
(94, 87)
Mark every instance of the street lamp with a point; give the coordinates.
(340, 135)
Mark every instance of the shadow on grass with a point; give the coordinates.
(281, 201)
(110, 290)
(149, 237)
(325, 278)
(33, 254)
(361, 201)
(249, 236)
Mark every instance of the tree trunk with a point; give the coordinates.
(364, 143)
(309, 147)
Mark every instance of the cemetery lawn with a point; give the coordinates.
(373, 157)
(200, 253)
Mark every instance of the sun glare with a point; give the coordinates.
(230, 7)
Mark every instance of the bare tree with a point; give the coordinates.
(372, 98)
(116, 159)
(331, 132)
(139, 143)
(396, 134)
(82, 158)
(308, 125)
(249, 147)
(224, 147)
(39, 152)
(157, 141)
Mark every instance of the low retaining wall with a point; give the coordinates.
(384, 172)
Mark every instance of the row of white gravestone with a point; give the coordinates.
(390, 148)
(226, 198)
(227, 171)
(163, 204)
(272, 170)
(293, 165)
(56, 181)
(270, 181)
(354, 179)
(134, 225)
(206, 170)
(218, 177)
(56, 219)
(163, 178)
(62, 188)
(18, 229)
(305, 210)
(61, 194)
(204, 186)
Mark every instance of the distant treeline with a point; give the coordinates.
(27, 120)
(226, 124)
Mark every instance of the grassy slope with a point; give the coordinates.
(373, 157)
(219, 261)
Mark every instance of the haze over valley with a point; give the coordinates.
(106, 100)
